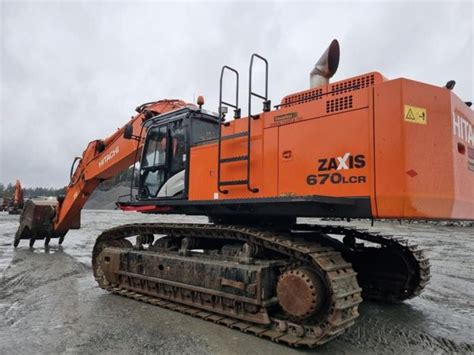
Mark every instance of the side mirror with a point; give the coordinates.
(128, 131)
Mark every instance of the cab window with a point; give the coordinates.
(156, 147)
(164, 157)
(204, 131)
(178, 148)
(153, 167)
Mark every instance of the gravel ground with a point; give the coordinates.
(49, 302)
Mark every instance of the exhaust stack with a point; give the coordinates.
(326, 66)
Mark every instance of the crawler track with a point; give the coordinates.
(343, 291)
(389, 269)
(393, 271)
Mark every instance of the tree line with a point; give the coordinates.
(123, 178)
(9, 189)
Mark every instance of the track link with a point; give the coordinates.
(344, 293)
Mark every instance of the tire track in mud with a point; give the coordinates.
(388, 337)
(29, 270)
(30, 276)
(20, 283)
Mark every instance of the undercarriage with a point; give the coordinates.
(300, 286)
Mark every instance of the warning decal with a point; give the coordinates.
(415, 114)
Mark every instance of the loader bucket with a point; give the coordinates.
(36, 222)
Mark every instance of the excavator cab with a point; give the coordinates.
(164, 165)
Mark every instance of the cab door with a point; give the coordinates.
(176, 163)
(153, 165)
(162, 170)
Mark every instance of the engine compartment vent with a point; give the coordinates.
(358, 83)
(303, 97)
(339, 104)
(339, 88)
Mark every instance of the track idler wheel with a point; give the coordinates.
(300, 293)
(97, 259)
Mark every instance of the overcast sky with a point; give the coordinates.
(74, 72)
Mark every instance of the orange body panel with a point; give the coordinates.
(352, 139)
(420, 172)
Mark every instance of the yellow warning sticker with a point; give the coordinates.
(415, 114)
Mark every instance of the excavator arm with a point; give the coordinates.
(100, 161)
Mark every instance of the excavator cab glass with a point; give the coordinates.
(164, 159)
(153, 166)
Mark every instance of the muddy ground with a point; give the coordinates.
(49, 303)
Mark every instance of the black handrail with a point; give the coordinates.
(250, 116)
(222, 119)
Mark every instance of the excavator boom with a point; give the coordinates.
(101, 160)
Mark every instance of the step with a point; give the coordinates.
(233, 182)
(235, 135)
(233, 159)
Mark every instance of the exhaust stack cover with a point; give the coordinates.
(326, 66)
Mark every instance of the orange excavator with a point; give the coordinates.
(15, 205)
(363, 147)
